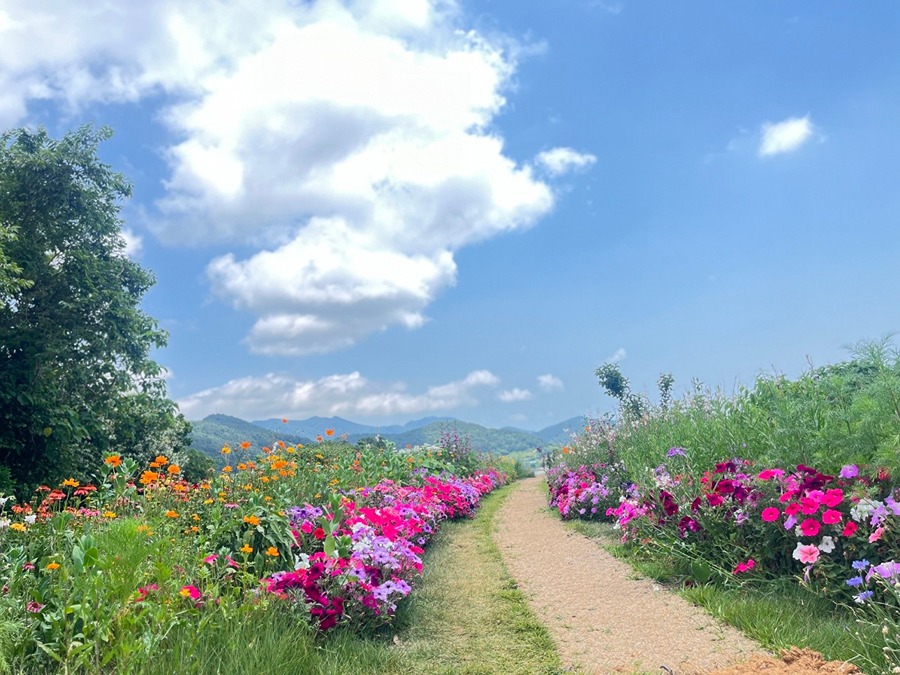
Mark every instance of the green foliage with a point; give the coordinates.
(76, 379)
(210, 434)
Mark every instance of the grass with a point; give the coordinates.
(468, 616)
(778, 614)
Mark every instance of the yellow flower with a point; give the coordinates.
(226, 450)
(246, 549)
(195, 517)
(171, 514)
(18, 527)
(109, 514)
(207, 501)
(52, 566)
(71, 482)
(226, 469)
(272, 551)
(251, 520)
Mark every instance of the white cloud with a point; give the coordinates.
(549, 382)
(134, 243)
(360, 130)
(274, 395)
(558, 161)
(514, 395)
(617, 356)
(784, 136)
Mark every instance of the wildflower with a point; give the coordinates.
(744, 566)
(174, 469)
(675, 452)
(191, 592)
(849, 471)
(227, 469)
(319, 438)
(272, 551)
(18, 527)
(329, 432)
(52, 566)
(246, 549)
(30, 519)
(853, 582)
(862, 597)
(810, 527)
(144, 591)
(109, 514)
(769, 474)
(71, 482)
(770, 514)
(171, 514)
(245, 444)
(226, 450)
(876, 535)
(806, 553)
(34, 607)
(113, 460)
(148, 477)
(862, 564)
(211, 559)
(319, 533)
(251, 520)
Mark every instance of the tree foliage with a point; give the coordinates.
(76, 377)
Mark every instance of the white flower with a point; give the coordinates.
(861, 510)
(30, 519)
(4, 523)
(826, 545)
(3, 501)
(302, 562)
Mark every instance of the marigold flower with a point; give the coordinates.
(246, 549)
(174, 469)
(109, 514)
(329, 432)
(148, 477)
(272, 551)
(113, 460)
(251, 520)
(162, 460)
(52, 566)
(246, 444)
(171, 514)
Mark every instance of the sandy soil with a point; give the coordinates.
(606, 620)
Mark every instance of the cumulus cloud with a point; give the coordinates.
(345, 147)
(549, 382)
(275, 395)
(561, 160)
(617, 356)
(133, 243)
(784, 136)
(514, 395)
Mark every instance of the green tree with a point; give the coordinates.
(76, 377)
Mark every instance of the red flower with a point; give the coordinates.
(849, 529)
(810, 527)
(319, 533)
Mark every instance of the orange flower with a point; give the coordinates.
(566, 449)
(162, 460)
(251, 520)
(148, 477)
(71, 482)
(329, 432)
(272, 551)
(226, 469)
(319, 438)
(113, 460)
(284, 420)
(174, 469)
(171, 514)
(52, 566)
(246, 444)
(246, 548)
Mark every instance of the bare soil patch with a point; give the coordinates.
(603, 618)
(794, 661)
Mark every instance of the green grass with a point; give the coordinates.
(778, 614)
(468, 616)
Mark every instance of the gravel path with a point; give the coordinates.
(602, 618)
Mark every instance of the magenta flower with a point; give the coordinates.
(810, 527)
(34, 607)
(191, 592)
(831, 517)
(745, 566)
(770, 515)
(849, 471)
(833, 497)
(808, 554)
(769, 474)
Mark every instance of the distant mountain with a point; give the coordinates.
(314, 426)
(212, 432)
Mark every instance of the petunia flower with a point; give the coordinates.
(810, 527)
(770, 514)
(808, 554)
(849, 471)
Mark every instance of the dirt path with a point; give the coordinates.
(603, 619)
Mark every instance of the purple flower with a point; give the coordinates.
(854, 581)
(862, 597)
(676, 452)
(860, 564)
(849, 471)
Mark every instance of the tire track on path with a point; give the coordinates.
(602, 618)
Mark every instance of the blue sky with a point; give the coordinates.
(386, 210)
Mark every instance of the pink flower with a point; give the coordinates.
(849, 529)
(191, 592)
(808, 505)
(211, 559)
(876, 535)
(771, 514)
(833, 497)
(714, 500)
(816, 495)
(810, 527)
(306, 527)
(792, 509)
(830, 517)
(768, 474)
(34, 607)
(745, 566)
(808, 554)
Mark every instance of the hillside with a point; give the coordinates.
(211, 433)
(313, 426)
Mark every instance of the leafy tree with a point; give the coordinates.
(76, 378)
